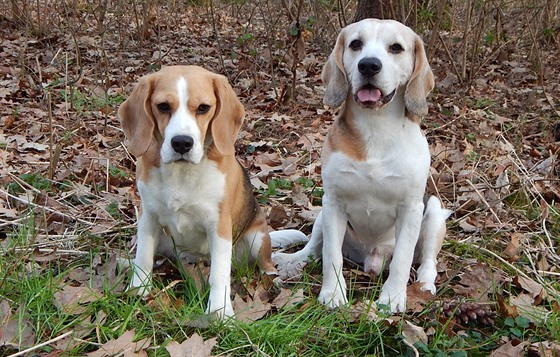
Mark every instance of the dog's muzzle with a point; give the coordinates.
(369, 95)
(182, 146)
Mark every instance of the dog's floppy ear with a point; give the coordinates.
(421, 82)
(136, 117)
(334, 75)
(227, 118)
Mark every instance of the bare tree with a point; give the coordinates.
(368, 9)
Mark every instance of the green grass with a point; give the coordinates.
(306, 329)
(31, 284)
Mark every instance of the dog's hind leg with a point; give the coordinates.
(430, 241)
(290, 265)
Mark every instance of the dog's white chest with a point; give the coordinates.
(370, 191)
(185, 199)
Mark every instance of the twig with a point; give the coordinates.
(55, 250)
(253, 346)
(217, 34)
(46, 208)
(549, 100)
(485, 202)
(549, 289)
(21, 353)
(465, 41)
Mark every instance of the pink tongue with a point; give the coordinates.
(369, 95)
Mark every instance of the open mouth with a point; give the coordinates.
(371, 96)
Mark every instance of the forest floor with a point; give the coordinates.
(68, 202)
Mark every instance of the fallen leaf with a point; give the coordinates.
(249, 311)
(512, 249)
(278, 217)
(514, 348)
(123, 345)
(529, 285)
(288, 298)
(194, 346)
(416, 298)
(545, 349)
(363, 309)
(74, 299)
(476, 282)
(413, 333)
(525, 305)
(505, 309)
(15, 329)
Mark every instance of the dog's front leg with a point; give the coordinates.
(220, 277)
(407, 230)
(149, 231)
(333, 292)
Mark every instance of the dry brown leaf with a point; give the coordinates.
(476, 282)
(81, 329)
(525, 305)
(198, 271)
(278, 216)
(251, 310)
(193, 346)
(72, 299)
(416, 298)
(15, 330)
(123, 345)
(529, 285)
(288, 298)
(413, 333)
(505, 309)
(546, 348)
(512, 249)
(514, 348)
(363, 309)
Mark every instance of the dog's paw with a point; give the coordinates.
(395, 298)
(333, 298)
(426, 286)
(288, 265)
(142, 290)
(140, 285)
(427, 274)
(220, 311)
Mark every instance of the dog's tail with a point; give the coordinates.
(287, 237)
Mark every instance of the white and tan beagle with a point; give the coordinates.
(181, 123)
(375, 163)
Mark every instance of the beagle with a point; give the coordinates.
(181, 123)
(375, 164)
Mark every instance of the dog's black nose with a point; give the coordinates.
(369, 66)
(182, 143)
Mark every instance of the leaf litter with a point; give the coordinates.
(487, 158)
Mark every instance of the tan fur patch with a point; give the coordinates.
(344, 137)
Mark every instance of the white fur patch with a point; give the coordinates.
(182, 122)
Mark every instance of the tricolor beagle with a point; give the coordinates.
(181, 123)
(375, 163)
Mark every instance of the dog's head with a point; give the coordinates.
(181, 111)
(375, 60)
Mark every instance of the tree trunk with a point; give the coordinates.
(368, 9)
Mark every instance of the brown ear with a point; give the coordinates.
(421, 82)
(334, 75)
(228, 117)
(136, 118)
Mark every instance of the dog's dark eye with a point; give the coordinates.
(356, 45)
(202, 109)
(164, 108)
(396, 48)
